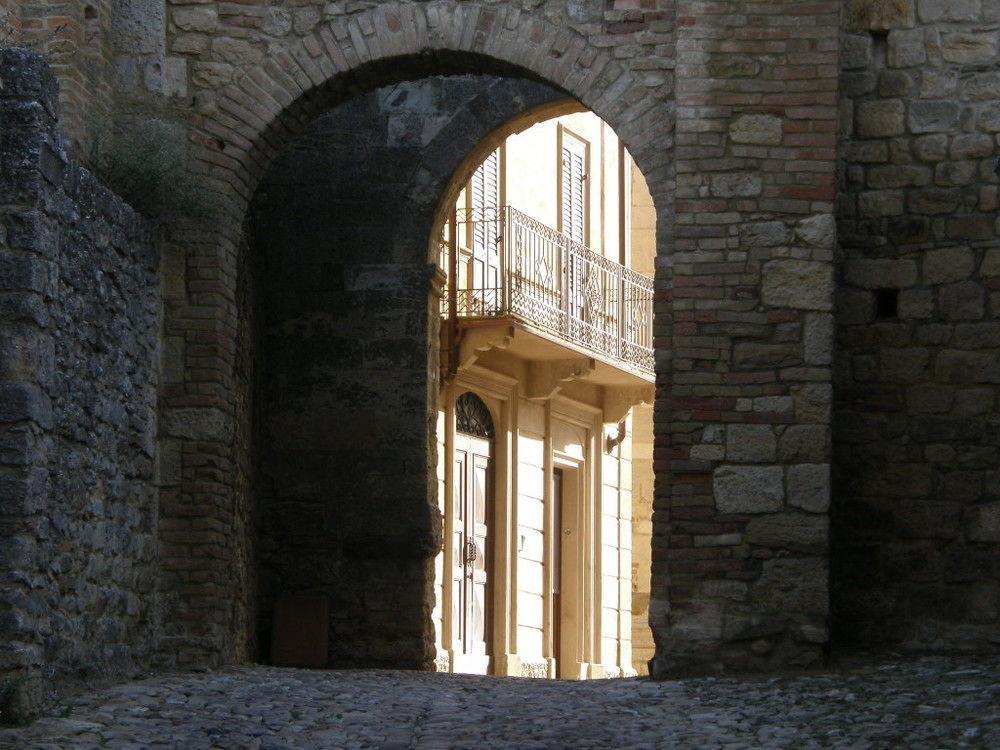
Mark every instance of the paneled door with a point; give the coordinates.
(471, 552)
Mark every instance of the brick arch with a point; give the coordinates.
(206, 589)
(395, 42)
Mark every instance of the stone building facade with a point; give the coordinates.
(824, 179)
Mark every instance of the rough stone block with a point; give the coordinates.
(796, 585)
(926, 519)
(899, 365)
(813, 402)
(876, 204)
(817, 231)
(750, 355)
(916, 304)
(990, 266)
(948, 264)
(989, 118)
(880, 273)
(934, 11)
(955, 366)
(928, 398)
(195, 18)
(983, 523)
(893, 176)
(955, 173)
(21, 402)
(139, 26)
(818, 338)
(962, 301)
(748, 489)
(763, 234)
(737, 184)
(934, 116)
(933, 202)
(972, 146)
(236, 51)
(899, 83)
(197, 424)
(750, 443)
(855, 307)
(879, 15)
(975, 401)
(798, 284)
(931, 148)
(970, 227)
(969, 48)
(809, 486)
(879, 119)
(804, 443)
(906, 48)
(856, 51)
(761, 130)
(797, 532)
(277, 22)
(872, 152)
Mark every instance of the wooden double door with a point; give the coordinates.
(471, 554)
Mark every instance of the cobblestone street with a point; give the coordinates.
(932, 703)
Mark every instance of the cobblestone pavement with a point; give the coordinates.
(932, 703)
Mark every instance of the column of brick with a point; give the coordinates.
(743, 543)
(75, 39)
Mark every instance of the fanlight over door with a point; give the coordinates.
(472, 493)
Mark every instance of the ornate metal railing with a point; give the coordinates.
(517, 266)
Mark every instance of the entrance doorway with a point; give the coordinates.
(566, 566)
(471, 549)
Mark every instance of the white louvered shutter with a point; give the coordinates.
(573, 200)
(486, 204)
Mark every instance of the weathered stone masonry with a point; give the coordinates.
(917, 425)
(731, 110)
(79, 315)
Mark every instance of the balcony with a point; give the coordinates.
(510, 266)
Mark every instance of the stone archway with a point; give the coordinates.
(743, 307)
(206, 586)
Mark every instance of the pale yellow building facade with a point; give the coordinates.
(546, 362)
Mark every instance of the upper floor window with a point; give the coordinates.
(484, 197)
(573, 186)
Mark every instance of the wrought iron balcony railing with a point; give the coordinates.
(508, 264)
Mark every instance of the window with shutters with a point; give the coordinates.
(484, 195)
(573, 186)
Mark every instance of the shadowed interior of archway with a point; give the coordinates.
(340, 386)
(338, 357)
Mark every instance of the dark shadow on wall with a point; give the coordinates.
(347, 335)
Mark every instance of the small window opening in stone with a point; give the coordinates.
(887, 304)
(90, 13)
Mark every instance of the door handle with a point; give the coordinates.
(470, 553)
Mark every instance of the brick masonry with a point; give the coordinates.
(731, 110)
(740, 540)
(245, 110)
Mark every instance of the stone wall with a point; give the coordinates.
(740, 550)
(79, 316)
(341, 227)
(917, 515)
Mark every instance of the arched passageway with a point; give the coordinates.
(732, 582)
(346, 386)
(217, 457)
